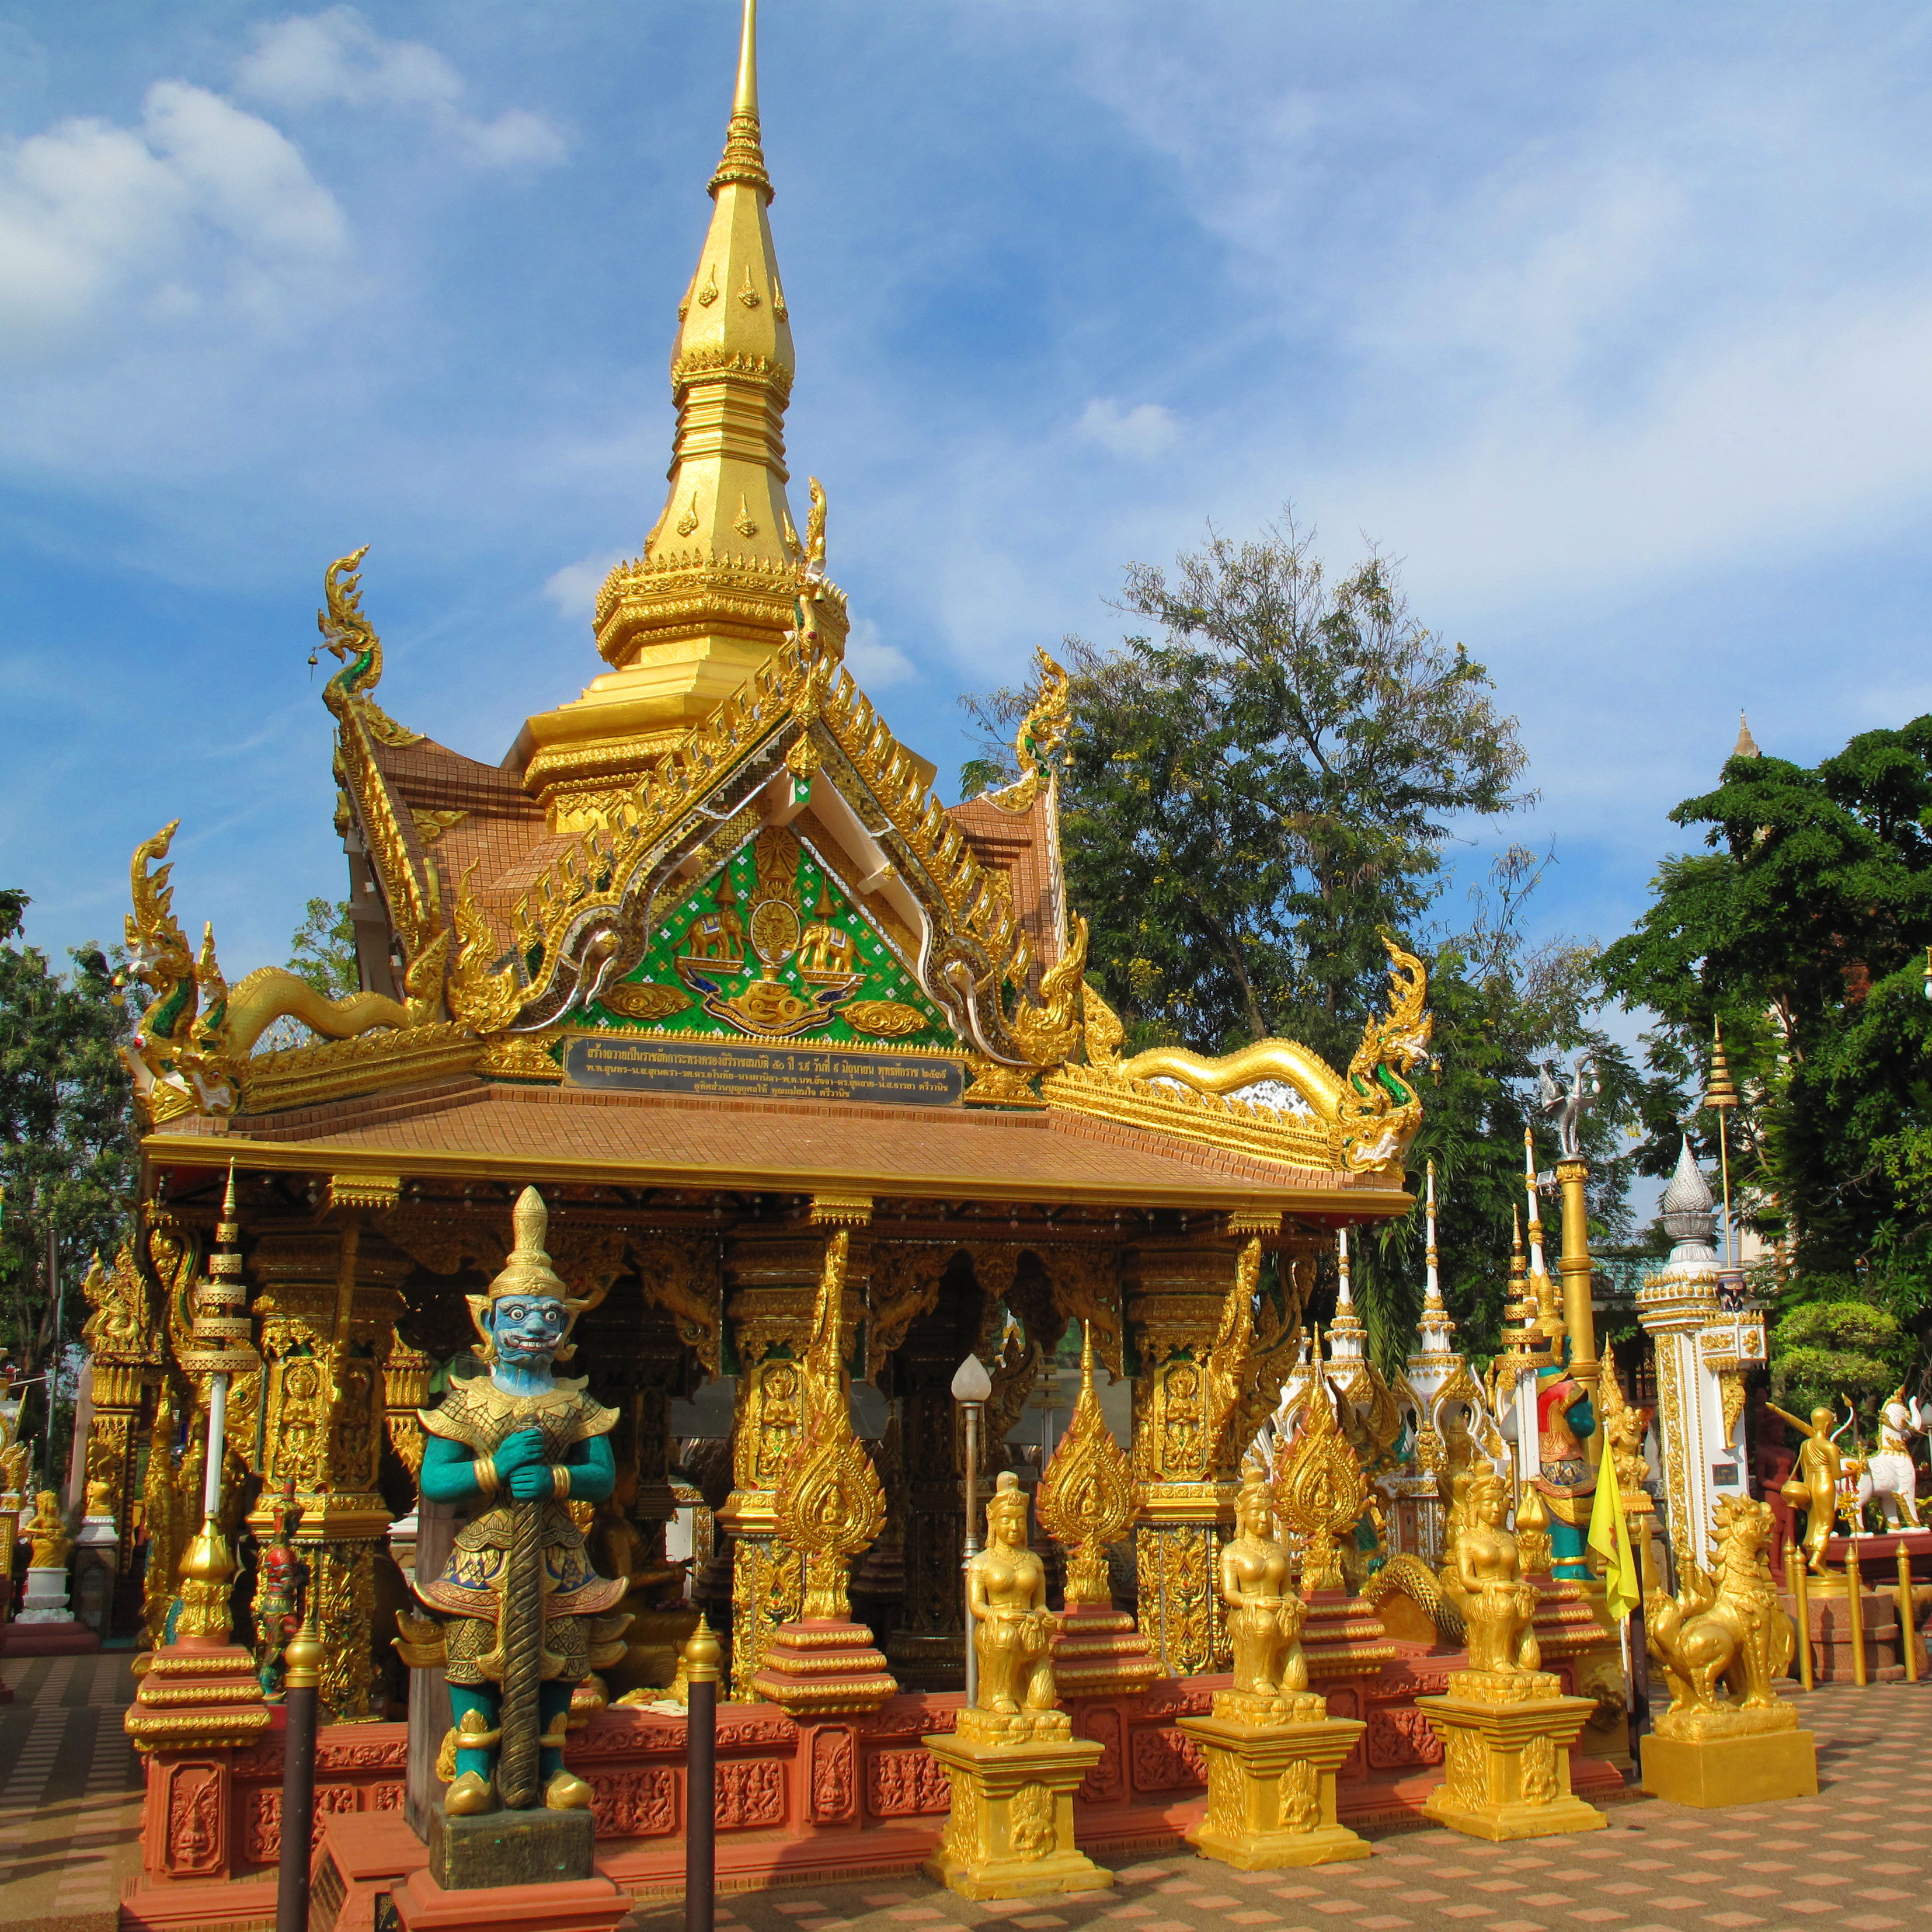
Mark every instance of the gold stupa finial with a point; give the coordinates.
(744, 157)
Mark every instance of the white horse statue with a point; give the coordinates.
(1888, 1476)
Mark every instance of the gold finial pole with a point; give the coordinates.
(1720, 1097)
(702, 1656)
(1432, 1296)
(1855, 1610)
(302, 1662)
(1908, 1641)
(1800, 1603)
(746, 100)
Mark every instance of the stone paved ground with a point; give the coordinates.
(1858, 1856)
(69, 1792)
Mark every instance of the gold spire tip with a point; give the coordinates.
(745, 101)
(744, 157)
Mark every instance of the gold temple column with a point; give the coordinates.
(1176, 1291)
(1575, 1267)
(328, 1299)
(124, 1352)
(771, 1282)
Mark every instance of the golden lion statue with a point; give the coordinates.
(1727, 1628)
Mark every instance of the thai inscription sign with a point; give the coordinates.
(741, 1070)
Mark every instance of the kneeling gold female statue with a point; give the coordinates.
(1497, 1605)
(521, 1605)
(1005, 1590)
(1265, 1614)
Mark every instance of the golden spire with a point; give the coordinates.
(715, 592)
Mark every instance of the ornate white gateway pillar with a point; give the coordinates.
(1708, 1335)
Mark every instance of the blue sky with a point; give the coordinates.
(1612, 321)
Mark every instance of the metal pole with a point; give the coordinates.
(1855, 1604)
(1801, 1602)
(972, 1547)
(302, 1661)
(217, 1446)
(1908, 1636)
(702, 1657)
(56, 1290)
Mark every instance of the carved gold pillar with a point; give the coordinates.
(125, 1344)
(405, 1375)
(328, 1299)
(771, 1280)
(1177, 1293)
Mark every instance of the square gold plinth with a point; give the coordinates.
(1010, 1834)
(1506, 1764)
(1712, 1772)
(1271, 1792)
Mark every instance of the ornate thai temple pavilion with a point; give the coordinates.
(705, 960)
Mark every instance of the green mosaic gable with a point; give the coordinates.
(886, 977)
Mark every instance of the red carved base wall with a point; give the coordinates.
(796, 1802)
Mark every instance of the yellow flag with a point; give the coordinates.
(1609, 1536)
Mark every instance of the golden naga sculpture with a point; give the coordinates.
(1497, 1605)
(1726, 1628)
(1265, 1616)
(47, 1532)
(1012, 1630)
(193, 1041)
(1275, 1098)
(1041, 732)
(1320, 1492)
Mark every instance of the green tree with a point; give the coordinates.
(1838, 1348)
(67, 1155)
(1803, 927)
(1248, 799)
(323, 950)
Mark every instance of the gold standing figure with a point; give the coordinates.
(1815, 1488)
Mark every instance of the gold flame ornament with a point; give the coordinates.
(1319, 1489)
(1086, 1498)
(831, 1505)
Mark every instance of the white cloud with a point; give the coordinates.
(574, 589)
(1144, 431)
(336, 58)
(90, 213)
(876, 665)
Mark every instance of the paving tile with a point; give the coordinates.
(1597, 1914)
(1037, 1922)
(1252, 1918)
(1883, 1893)
(1464, 1911)
(1382, 1921)
(1732, 1920)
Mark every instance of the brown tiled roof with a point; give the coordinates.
(1016, 843)
(473, 1127)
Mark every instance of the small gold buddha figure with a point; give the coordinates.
(1265, 1614)
(1498, 1605)
(47, 1531)
(1006, 1591)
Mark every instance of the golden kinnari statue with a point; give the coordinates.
(1271, 1749)
(1728, 1738)
(1498, 1606)
(47, 1531)
(1505, 1725)
(1264, 1618)
(1014, 1762)
(1012, 1630)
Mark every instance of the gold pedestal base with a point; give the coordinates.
(1010, 1832)
(823, 1669)
(1713, 1772)
(1506, 1756)
(1271, 1789)
(1099, 1653)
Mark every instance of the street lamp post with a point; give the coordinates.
(971, 1389)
